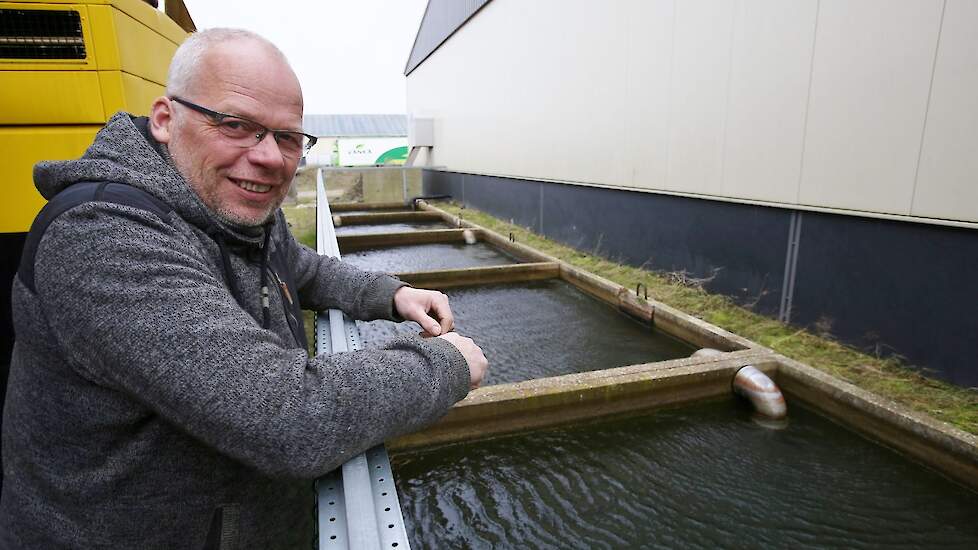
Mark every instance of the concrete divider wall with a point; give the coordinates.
(543, 403)
(592, 396)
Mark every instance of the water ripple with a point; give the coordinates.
(427, 256)
(703, 477)
(548, 328)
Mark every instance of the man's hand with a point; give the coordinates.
(478, 364)
(428, 308)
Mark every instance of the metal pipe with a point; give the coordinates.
(413, 202)
(706, 352)
(761, 391)
(755, 386)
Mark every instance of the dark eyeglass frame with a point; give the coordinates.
(218, 117)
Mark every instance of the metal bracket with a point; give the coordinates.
(790, 266)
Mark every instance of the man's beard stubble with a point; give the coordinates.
(218, 209)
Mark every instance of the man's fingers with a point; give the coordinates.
(476, 359)
(428, 308)
(443, 312)
(430, 325)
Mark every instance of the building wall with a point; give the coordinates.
(885, 286)
(867, 107)
(814, 158)
(322, 152)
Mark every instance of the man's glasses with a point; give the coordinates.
(248, 133)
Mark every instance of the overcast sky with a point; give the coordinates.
(349, 54)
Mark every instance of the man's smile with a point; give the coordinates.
(252, 186)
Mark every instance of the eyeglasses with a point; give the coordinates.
(248, 133)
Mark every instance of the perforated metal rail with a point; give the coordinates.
(357, 504)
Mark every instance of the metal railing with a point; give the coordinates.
(357, 505)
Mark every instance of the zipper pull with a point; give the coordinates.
(282, 285)
(285, 290)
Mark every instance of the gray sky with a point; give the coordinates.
(349, 54)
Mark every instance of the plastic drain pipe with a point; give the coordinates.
(357, 505)
(757, 387)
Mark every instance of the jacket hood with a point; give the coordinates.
(125, 152)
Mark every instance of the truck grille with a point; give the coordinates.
(41, 34)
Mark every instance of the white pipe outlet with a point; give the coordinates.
(337, 221)
(761, 391)
(469, 236)
(706, 352)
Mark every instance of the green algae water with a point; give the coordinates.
(699, 477)
(545, 328)
(427, 257)
(388, 228)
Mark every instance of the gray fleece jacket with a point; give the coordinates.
(148, 408)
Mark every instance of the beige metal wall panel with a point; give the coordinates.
(819, 104)
(647, 92)
(431, 93)
(947, 180)
(769, 78)
(870, 82)
(698, 94)
(538, 101)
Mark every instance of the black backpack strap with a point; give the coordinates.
(75, 195)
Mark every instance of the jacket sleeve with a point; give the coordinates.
(327, 283)
(136, 307)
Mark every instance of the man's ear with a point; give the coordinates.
(161, 119)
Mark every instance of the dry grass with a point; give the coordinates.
(886, 376)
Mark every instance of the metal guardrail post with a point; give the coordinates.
(357, 505)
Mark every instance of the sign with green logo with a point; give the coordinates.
(372, 151)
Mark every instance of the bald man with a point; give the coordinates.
(160, 393)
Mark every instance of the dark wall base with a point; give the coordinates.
(887, 287)
(893, 287)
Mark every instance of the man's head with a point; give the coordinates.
(238, 73)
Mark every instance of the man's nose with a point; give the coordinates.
(266, 152)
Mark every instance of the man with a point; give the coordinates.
(160, 395)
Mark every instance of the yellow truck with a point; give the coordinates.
(65, 68)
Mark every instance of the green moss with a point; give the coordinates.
(886, 376)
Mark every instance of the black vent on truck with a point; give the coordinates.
(41, 34)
